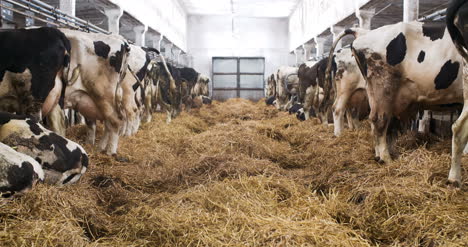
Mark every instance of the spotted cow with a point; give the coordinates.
(286, 87)
(311, 89)
(18, 172)
(32, 68)
(201, 89)
(62, 160)
(99, 64)
(350, 90)
(134, 89)
(407, 66)
(167, 88)
(457, 21)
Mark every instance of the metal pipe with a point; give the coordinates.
(437, 14)
(51, 12)
(25, 14)
(32, 10)
(65, 15)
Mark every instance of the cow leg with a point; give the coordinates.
(355, 121)
(308, 101)
(113, 142)
(168, 116)
(424, 123)
(459, 140)
(79, 119)
(56, 120)
(91, 131)
(339, 109)
(349, 118)
(323, 116)
(380, 127)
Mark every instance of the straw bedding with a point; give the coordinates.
(243, 174)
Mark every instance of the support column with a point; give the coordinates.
(179, 52)
(336, 30)
(140, 32)
(410, 10)
(365, 17)
(308, 47)
(153, 40)
(190, 61)
(299, 52)
(113, 19)
(68, 6)
(183, 60)
(168, 51)
(160, 42)
(320, 45)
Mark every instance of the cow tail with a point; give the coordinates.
(454, 32)
(118, 96)
(328, 84)
(171, 79)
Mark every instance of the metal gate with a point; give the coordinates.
(238, 77)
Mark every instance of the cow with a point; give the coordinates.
(167, 88)
(457, 21)
(62, 160)
(309, 86)
(206, 100)
(270, 100)
(271, 86)
(33, 66)
(98, 64)
(350, 89)
(311, 89)
(407, 66)
(134, 89)
(201, 89)
(286, 87)
(270, 90)
(18, 172)
(191, 76)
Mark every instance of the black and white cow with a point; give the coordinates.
(457, 26)
(201, 89)
(168, 93)
(18, 172)
(134, 89)
(286, 87)
(32, 68)
(98, 64)
(407, 66)
(62, 160)
(350, 89)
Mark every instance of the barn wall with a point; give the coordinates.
(210, 36)
(312, 17)
(165, 16)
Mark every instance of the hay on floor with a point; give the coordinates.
(240, 173)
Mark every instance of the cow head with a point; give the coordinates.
(63, 160)
(271, 86)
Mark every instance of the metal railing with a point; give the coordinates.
(53, 15)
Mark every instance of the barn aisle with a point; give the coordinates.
(244, 174)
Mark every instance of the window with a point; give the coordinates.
(238, 77)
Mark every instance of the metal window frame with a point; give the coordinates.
(238, 74)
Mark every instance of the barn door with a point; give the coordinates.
(238, 77)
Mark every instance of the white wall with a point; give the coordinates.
(211, 36)
(165, 16)
(312, 17)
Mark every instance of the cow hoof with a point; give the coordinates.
(121, 158)
(453, 184)
(381, 162)
(377, 158)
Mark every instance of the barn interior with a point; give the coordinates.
(238, 172)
